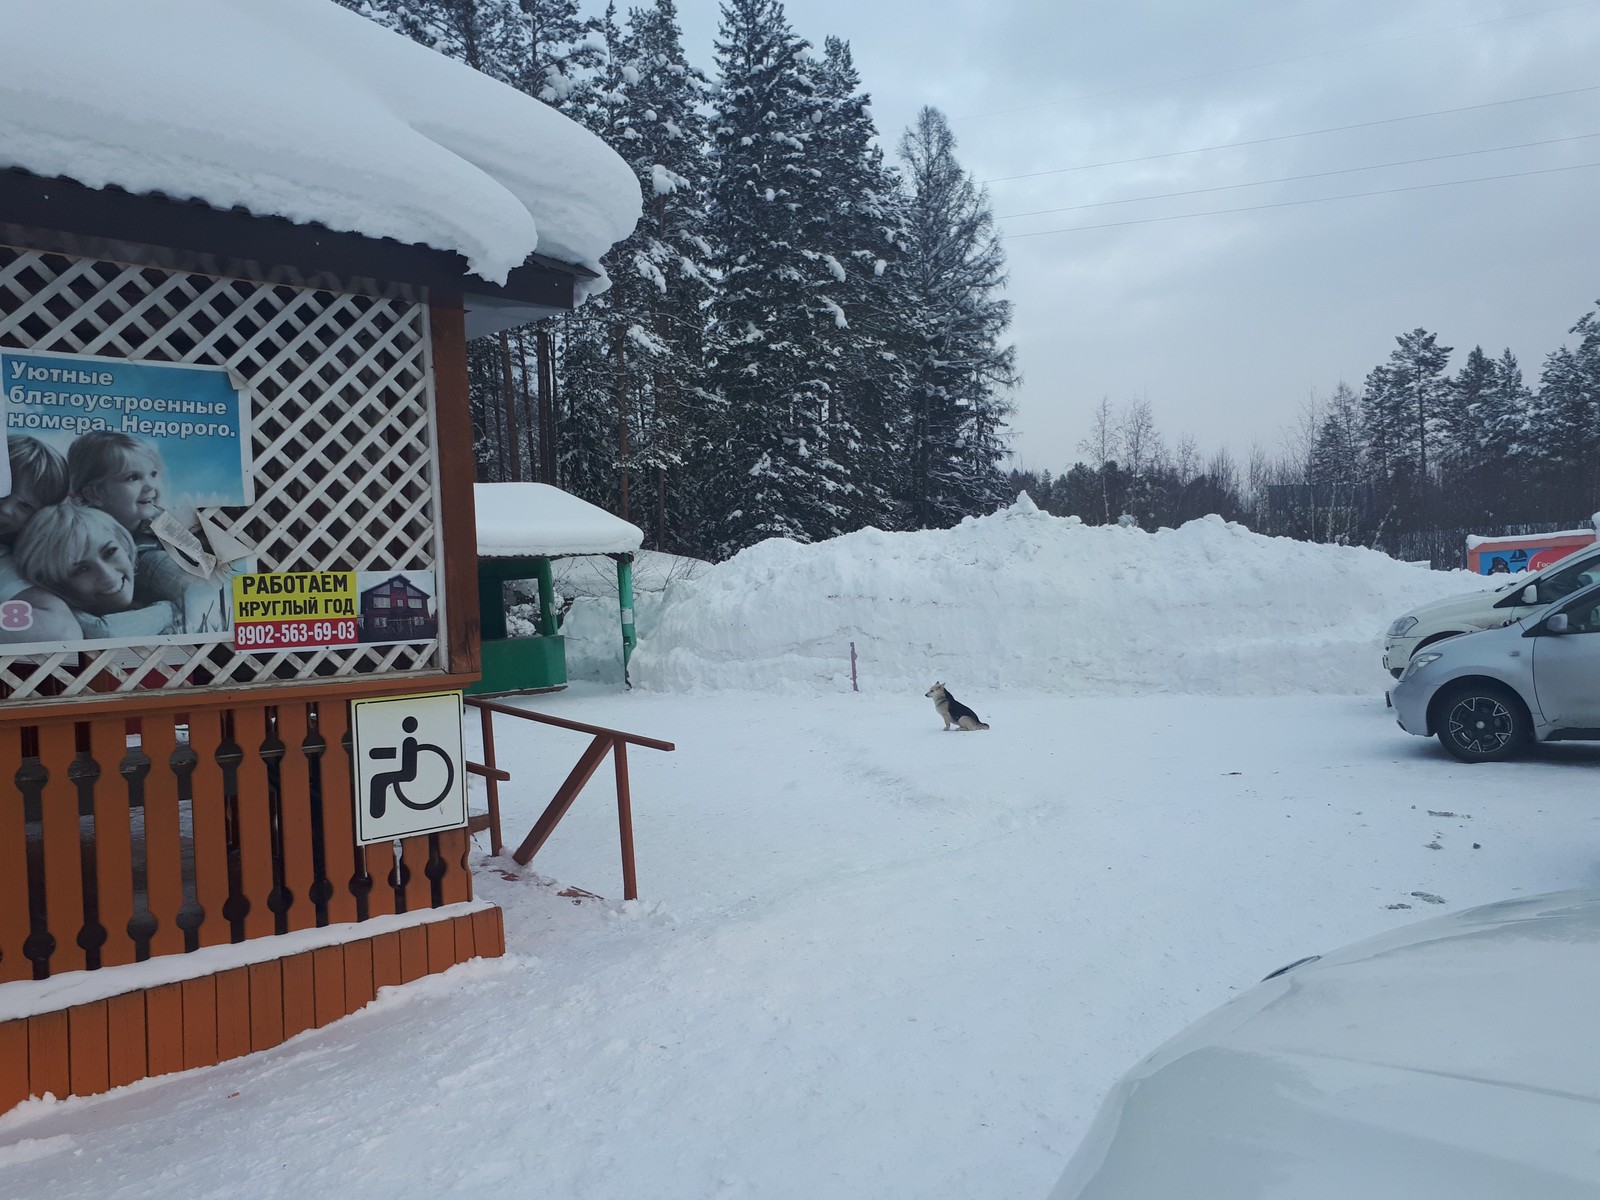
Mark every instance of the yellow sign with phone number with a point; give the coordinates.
(289, 610)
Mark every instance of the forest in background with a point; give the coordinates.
(800, 339)
(1417, 459)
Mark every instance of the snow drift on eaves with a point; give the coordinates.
(1026, 600)
(304, 110)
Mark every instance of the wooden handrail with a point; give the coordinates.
(579, 726)
(606, 741)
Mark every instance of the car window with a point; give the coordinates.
(1583, 616)
(1568, 579)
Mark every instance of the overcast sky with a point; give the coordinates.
(1227, 325)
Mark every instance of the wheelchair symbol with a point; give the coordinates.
(408, 751)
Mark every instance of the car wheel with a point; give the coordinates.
(1481, 723)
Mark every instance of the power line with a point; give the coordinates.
(1229, 187)
(1284, 137)
(1276, 62)
(1292, 203)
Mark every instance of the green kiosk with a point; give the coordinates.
(522, 529)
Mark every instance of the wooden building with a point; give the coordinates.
(179, 877)
(396, 610)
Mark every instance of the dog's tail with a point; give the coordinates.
(981, 725)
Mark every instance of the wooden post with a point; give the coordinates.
(457, 520)
(630, 881)
(619, 356)
(113, 846)
(63, 852)
(491, 783)
(294, 789)
(162, 837)
(528, 415)
(253, 834)
(14, 921)
(547, 406)
(209, 826)
(510, 393)
(562, 801)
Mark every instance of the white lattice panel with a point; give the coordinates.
(345, 471)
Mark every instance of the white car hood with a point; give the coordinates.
(1473, 607)
(1456, 1058)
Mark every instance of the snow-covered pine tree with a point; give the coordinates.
(1500, 420)
(771, 357)
(1566, 427)
(485, 399)
(1418, 394)
(555, 52)
(859, 233)
(1493, 475)
(632, 366)
(1402, 405)
(666, 136)
(1458, 433)
(1336, 455)
(480, 33)
(1381, 435)
(960, 371)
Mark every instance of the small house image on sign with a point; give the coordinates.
(397, 610)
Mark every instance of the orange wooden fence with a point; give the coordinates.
(121, 840)
(97, 1045)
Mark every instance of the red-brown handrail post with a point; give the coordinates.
(491, 782)
(630, 882)
(580, 774)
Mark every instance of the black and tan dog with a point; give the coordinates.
(952, 710)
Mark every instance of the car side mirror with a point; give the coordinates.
(1530, 594)
(1557, 623)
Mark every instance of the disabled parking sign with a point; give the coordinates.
(409, 765)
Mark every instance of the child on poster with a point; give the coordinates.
(38, 480)
(126, 478)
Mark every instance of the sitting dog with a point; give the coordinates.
(952, 710)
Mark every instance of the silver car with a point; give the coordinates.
(1452, 1059)
(1486, 695)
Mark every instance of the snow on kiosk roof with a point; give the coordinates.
(305, 111)
(528, 520)
(521, 527)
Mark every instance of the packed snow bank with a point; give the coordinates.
(1023, 599)
(301, 109)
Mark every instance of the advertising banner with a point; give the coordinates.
(293, 610)
(110, 465)
(298, 610)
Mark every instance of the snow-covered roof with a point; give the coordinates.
(305, 110)
(526, 519)
(1525, 539)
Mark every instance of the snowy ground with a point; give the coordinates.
(872, 958)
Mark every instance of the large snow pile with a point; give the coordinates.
(1023, 599)
(302, 109)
